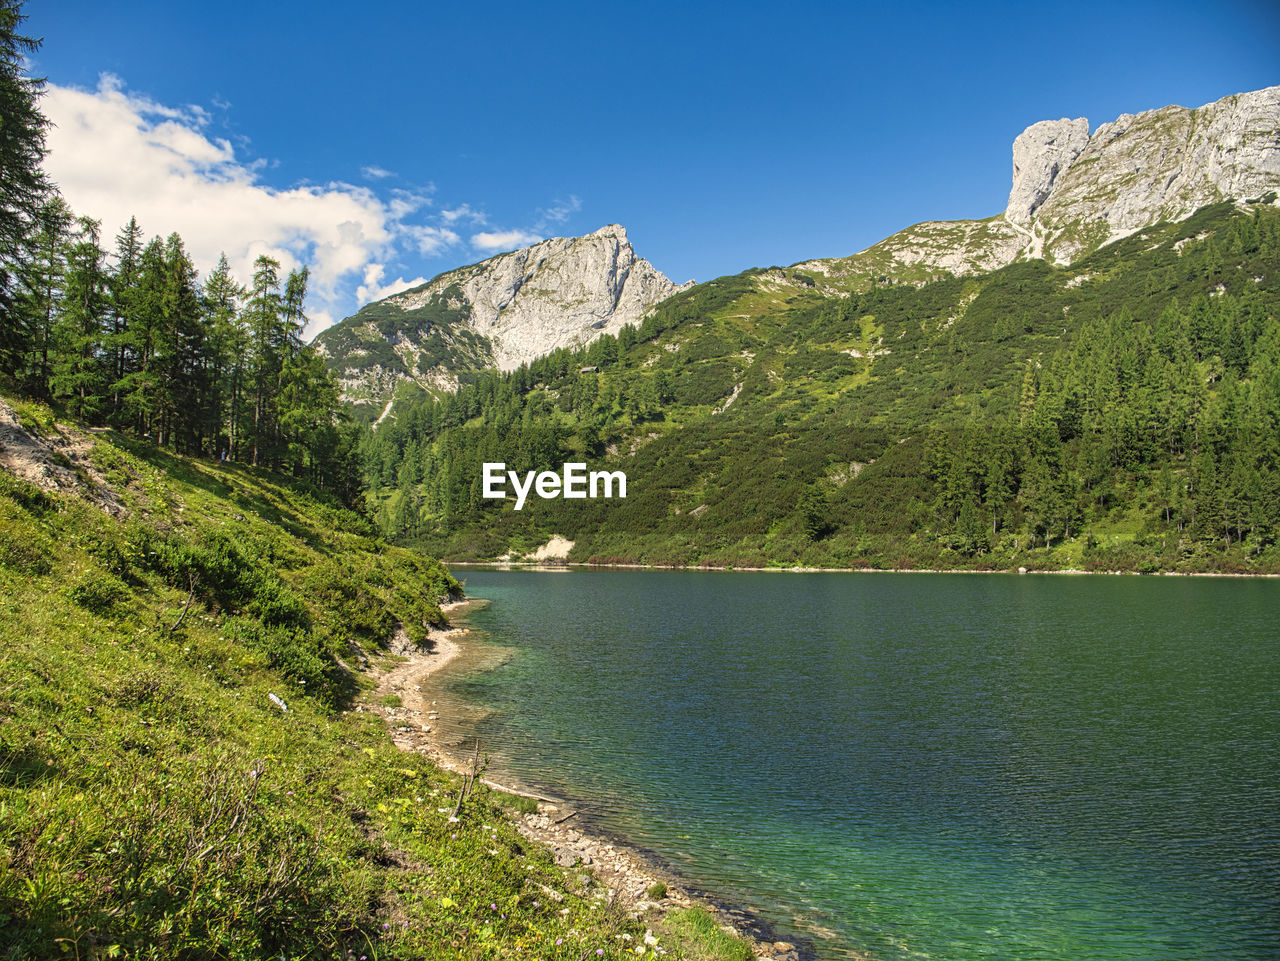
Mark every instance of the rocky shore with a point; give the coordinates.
(631, 879)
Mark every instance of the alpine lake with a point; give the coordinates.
(896, 766)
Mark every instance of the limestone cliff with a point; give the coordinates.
(1073, 191)
(502, 312)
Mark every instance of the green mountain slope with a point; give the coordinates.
(156, 803)
(1119, 412)
(386, 346)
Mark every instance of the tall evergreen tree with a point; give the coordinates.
(228, 345)
(119, 342)
(80, 373)
(36, 307)
(23, 185)
(262, 317)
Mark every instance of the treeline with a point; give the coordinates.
(551, 409)
(129, 336)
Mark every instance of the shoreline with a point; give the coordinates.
(561, 825)
(566, 566)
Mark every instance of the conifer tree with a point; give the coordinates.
(23, 184)
(79, 373)
(119, 340)
(41, 275)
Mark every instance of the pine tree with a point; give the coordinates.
(79, 373)
(262, 317)
(36, 308)
(228, 351)
(119, 340)
(23, 185)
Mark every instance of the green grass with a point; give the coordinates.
(705, 940)
(155, 802)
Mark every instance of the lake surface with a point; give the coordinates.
(915, 766)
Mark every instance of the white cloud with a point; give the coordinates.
(431, 240)
(463, 212)
(559, 212)
(490, 241)
(373, 287)
(116, 154)
(503, 240)
(374, 172)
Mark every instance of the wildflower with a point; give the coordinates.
(493, 907)
(559, 940)
(599, 951)
(385, 926)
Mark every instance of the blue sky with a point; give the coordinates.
(388, 142)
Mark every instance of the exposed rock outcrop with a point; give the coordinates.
(562, 292)
(1073, 192)
(1164, 164)
(502, 312)
(1040, 154)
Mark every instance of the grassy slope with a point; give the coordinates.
(154, 803)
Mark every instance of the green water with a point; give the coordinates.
(916, 766)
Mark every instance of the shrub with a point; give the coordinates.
(98, 593)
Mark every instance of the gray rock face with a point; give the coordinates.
(502, 312)
(1040, 154)
(563, 292)
(1162, 165)
(1073, 193)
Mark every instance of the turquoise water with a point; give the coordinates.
(916, 766)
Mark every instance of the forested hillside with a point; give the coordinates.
(1123, 412)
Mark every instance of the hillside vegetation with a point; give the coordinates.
(1122, 413)
(156, 803)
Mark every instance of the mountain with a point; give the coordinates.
(1074, 192)
(953, 403)
(499, 313)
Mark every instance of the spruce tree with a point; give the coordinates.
(80, 373)
(23, 185)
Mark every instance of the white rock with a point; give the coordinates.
(563, 292)
(1163, 165)
(1040, 154)
(1072, 192)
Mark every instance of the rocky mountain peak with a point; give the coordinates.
(1158, 165)
(1042, 152)
(1074, 192)
(501, 312)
